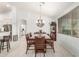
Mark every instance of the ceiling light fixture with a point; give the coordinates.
(40, 22)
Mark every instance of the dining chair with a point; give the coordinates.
(36, 32)
(50, 42)
(48, 34)
(29, 42)
(0, 45)
(40, 45)
(30, 34)
(0, 48)
(5, 43)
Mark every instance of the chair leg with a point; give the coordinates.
(44, 54)
(0, 49)
(27, 49)
(2, 45)
(35, 54)
(8, 46)
(52, 46)
(53, 50)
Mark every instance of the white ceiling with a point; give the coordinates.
(4, 8)
(51, 9)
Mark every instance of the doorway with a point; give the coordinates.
(23, 28)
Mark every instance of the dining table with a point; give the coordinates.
(40, 35)
(40, 42)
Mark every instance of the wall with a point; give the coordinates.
(9, 18)
(70, 43)
(5, 19)
(31, 23)
(69, 23)
(14, 22)
(31, 19)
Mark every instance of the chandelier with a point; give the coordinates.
(40, 22)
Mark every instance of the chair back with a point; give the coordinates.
(6, 38)
(30, 34)
(27, 37)
(36, 32)
(39, 42)
(52, 36)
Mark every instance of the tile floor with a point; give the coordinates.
(18, 49)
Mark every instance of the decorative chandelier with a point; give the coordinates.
(40, 22)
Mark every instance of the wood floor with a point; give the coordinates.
(18, 49)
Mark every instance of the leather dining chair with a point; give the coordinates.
(50, 42)
(6, 39)
(30, 34)
(29, 42)
(40, 45)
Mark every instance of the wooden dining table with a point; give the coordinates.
(40, 35)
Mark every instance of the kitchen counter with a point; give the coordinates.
(4, 34)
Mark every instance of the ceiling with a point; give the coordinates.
(4, 8)
(50, 9)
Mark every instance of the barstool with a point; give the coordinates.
(6, 39)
